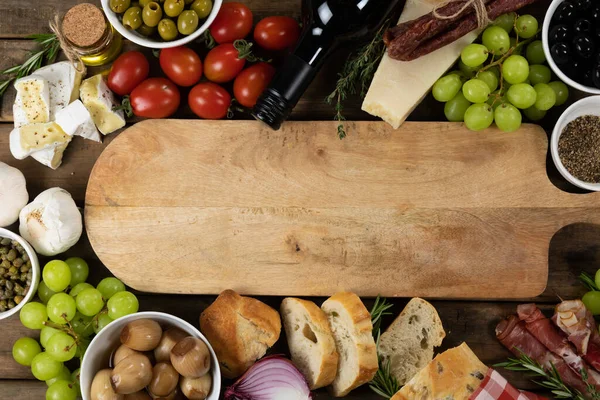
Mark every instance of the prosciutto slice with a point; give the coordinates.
(578, 323)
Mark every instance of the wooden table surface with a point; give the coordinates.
(573, 250)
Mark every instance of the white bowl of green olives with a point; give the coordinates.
(161, 24)
(19, 280)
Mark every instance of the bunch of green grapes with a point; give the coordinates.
(69, 312)
(495, 81)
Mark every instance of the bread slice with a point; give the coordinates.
(310, 341)
(351, 326)
(409, 341)
(454, 374)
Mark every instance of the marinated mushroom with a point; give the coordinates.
(102, 388)
(132, 374)
(141, 395)
(164, 379)
(121, 353)
(190, 357)
(169, 339)
(196, 388)
(141, 335)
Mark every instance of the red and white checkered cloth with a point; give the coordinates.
(495, 387)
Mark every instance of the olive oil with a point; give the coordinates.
(107, 54)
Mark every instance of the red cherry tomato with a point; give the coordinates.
(182, 65)
(222, 63)
(251, 83)
(155, 98)
(209, 100)
(234, 21)
(128, 71)
(277, 33)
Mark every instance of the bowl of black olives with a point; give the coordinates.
(571, 41)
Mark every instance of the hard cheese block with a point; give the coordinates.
(32, 103)
(398, 86)
(99, 100)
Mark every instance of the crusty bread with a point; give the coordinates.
(454, 374)
(409, 341)
(351, 326)
(310, 341)
(240, 330)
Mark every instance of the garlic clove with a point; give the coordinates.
(13, 194)
(141, 335)
(164, 379)
(196, 388)
(169, 339)
(121, 353)
(132, 374)
(102, 387)
(141, 395)
(191, 357)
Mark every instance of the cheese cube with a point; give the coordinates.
(99, 101)
(76, 120)
(28, 139)
(50, 157)
(64, 81)
(32, 104)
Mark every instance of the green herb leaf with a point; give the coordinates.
(588, 281)
(379, 310)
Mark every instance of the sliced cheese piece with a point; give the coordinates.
(50, 157)
(28, 139)
(398, 86)
(99, 100)
(76, 120)
(32, 103)
(64, 83)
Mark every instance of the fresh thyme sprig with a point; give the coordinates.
(588, 281)
(358, 72)
(384, 383)
(50, 46)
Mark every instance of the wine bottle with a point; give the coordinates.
(327, 24)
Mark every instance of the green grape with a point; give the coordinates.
(474, 54)
(64, 375)
(61, 347)
(75, 376)
(46, 333)
(44, 292)
(57, 275)
(33, 315)
(507, 117)
(476, 91)
(526, 26)
(515, 69)
(109, 286)
(506, 22)
(89, 302)
(539, 74)
(513, 45)
(455, 109)
(466, 70)
(62, 390)
(496, 40)
(61, 308)
(446, 87)
(121, 304)
(25, 349)
(83, 345)
(79, 288)
(489, 78)
(45, 367)
(521, 95)
(561, 90)
(82, 325)
(535, 52)
(534, 114)
(79, 270)
(496, 100)
(592, 302)
(546, 98)
(101, 321)
(479, 117)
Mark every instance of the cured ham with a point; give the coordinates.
(579, 325)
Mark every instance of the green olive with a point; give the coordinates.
(167, 29)
(202, 8)
(187, 23)
(146, 30)
(132, 18)
(119, 6)
(188, 2)
(173, 7)
(144, 3)
(152, 14)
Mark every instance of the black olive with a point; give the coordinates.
(583, 46)
(564, 12)
(595, 14)
(582, 5)
(560, 33)
(597, 59)
(587, 78)
(596, 75)
(561, 53)
(582, 26)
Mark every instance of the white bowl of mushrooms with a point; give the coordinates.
(150, 355)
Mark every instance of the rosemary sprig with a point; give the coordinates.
(379, 310)
(588, 281)
(357, 72)
(47, 54)
(383, 383)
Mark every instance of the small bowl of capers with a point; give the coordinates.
(160, 24)
(19, 273)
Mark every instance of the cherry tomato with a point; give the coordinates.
(277, 33)
(209, 100)
(222, 63)
(155, 98)
(128, 71)
(234, 21)
(252, 82)
(182, 65)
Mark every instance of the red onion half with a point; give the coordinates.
(272, 378)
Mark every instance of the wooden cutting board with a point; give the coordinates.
(430, 210)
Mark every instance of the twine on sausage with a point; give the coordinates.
(69, 51)
(483, 19)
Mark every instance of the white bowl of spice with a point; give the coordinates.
(575, 144)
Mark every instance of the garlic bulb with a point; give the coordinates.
(51, 223)
(13, 194)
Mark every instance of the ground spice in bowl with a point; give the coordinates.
(579, 148)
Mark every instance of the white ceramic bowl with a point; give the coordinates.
(99, 351)
(563, 77)
(588, 106)
(35, 265)
(155, 43)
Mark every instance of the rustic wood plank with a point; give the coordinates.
(22, 389)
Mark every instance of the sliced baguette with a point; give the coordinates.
(351, 326)
(310, 341)
(409, 341)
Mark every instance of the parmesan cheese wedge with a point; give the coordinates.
(32, 103)
(398, 86)
(29, 139)
(76, 120)
(64, 81)
(99, 101)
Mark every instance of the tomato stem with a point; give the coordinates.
(125, 106)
